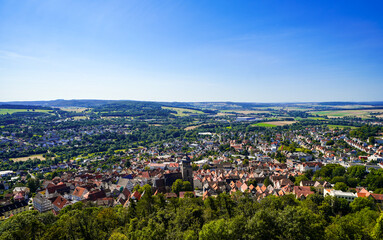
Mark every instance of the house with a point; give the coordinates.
(170, 195)
(307, 183)
(303, 167)
(302, 192)
(59, 204)
(94, 195)
(105, 202)
(12, 209)
(133, 197)
(53, 191)
(21, 189)
(188, 193)
(321, 185)
(283, 182)
(378, 198)
(124, 195)
(79, 193)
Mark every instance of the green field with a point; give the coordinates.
(331, 113)
(363, 113)
(10, 111)
(316, 118)
(340, 126)
(182, 112)
(263, 125)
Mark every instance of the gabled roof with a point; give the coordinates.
(79, 191)
(376, 196)
(170, 195)
(136, 195)
(60, 202)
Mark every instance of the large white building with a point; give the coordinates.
(349, 196)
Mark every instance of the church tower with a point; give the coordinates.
(187, 171)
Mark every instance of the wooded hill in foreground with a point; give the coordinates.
(225, 217)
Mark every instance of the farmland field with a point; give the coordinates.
(316, 118)
(274, 123)
(10, 111)
(244, 111)
(74, 109)
(264, 125)
(80, 117)
(193, 127)
(225, 114)
(348, 113)
(182, 112)
(340, 126)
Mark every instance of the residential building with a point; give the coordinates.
(41, 203)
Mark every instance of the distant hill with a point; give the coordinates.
(92, 103)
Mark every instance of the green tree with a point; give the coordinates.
(357, 171)
(299, 179)
(33, 184)
(341, 186)
(118, 236)
(267, 182)
(180, 185)
(362, 203)
(353, 226)
(377, 231)
(215, 230)
(300, 223)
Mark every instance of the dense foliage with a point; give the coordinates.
(225, 217)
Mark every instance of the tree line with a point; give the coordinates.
(237, 216)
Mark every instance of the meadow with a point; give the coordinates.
(264, 125)
(10, 111)
(182, 112)
(339, 126)
(273, 123)
(23, 159)
(364, 113)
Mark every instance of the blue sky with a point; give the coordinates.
(248, 51)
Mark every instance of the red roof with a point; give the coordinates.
(136, 195)
(79, 192)
(60, 202)
(377, 196)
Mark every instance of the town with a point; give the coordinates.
(109, 162)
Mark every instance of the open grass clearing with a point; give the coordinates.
(348, 106)
(348, 113)
(340, 126)
(182, 112)
(23, 159)
(10, 111)
(193, 127)
(316, 118)
(274, 123)
(225, 114)
(80, 117)
(263, 125)
(281, 123)
(74, 109)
